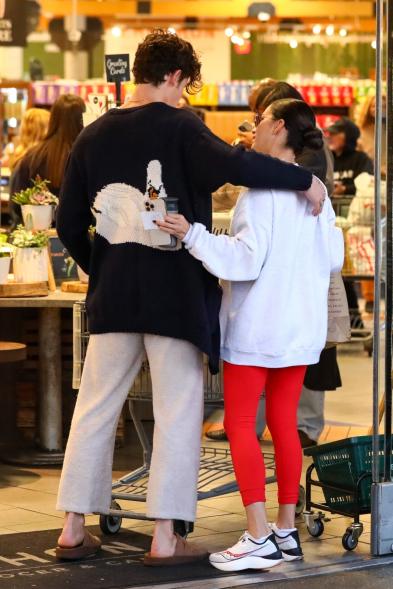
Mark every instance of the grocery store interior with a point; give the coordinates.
(327, 50)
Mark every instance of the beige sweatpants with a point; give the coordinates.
(112, 363)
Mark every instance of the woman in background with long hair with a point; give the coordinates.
(49, 157)
(33, 129)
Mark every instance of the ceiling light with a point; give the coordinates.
(293, 43)
(246, 35)
(317, 29)
(229, 31)
(343, 32)
(330, 30)
(264, 16)
(116, 31)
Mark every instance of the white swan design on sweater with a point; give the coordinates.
(118, 207)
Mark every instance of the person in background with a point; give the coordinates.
(366, 124)
(366, 142)
(246, 138)
(348, 164)
(48, 158)
(343, 136)
(325, 375)
(276, 267)
(33, 128)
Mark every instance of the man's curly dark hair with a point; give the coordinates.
(162, 53)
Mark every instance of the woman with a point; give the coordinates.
(277, 262)
(33, 129)
(48, 158)
(366, 124)
(326, 374)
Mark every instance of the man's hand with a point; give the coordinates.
(316, 194)
(174, 224)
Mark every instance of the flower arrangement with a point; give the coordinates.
(38, 194)
(22, 237)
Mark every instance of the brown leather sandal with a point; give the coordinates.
(90, 546)
(185, 553)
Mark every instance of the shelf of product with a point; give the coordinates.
(45, 93)
(320, 93)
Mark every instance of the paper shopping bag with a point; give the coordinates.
(339, 325)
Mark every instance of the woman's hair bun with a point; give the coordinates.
(313, 138)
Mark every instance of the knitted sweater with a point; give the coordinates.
(125, 165)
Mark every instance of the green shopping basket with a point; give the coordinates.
(341, 464)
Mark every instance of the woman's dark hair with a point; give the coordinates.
(65, 124)
(278, 91)
(300, 123)
(162, 53)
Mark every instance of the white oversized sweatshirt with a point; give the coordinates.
(276, 266)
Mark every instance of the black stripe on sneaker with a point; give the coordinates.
(273, 556)
(293, 552)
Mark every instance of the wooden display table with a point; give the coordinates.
(50, 437)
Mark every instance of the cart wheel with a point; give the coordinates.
(111, 524)
(349, 542)
(316, 529)
(301, 501)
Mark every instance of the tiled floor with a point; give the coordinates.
(27, 496)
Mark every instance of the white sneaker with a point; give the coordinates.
(248, 553)
(289, 543)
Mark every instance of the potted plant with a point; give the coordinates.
(30, 255)
(5, 260)
(37, 203)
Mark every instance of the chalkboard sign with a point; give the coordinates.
(64, 267)
(117, 67)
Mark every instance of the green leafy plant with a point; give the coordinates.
(22, 237)
(38, 194)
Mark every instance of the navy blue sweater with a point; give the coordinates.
(126, 163)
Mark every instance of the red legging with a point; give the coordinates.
(243, 386)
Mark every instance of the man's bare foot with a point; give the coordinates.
(164, 539)
(73, 531)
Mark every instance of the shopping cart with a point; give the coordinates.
(216, 476)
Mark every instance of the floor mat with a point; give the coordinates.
(27, 561)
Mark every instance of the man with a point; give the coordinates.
(147, 295)
(348, 162)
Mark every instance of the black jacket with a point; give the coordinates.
(349, 165)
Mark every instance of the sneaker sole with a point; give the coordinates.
(290, 558)
(249, 562)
